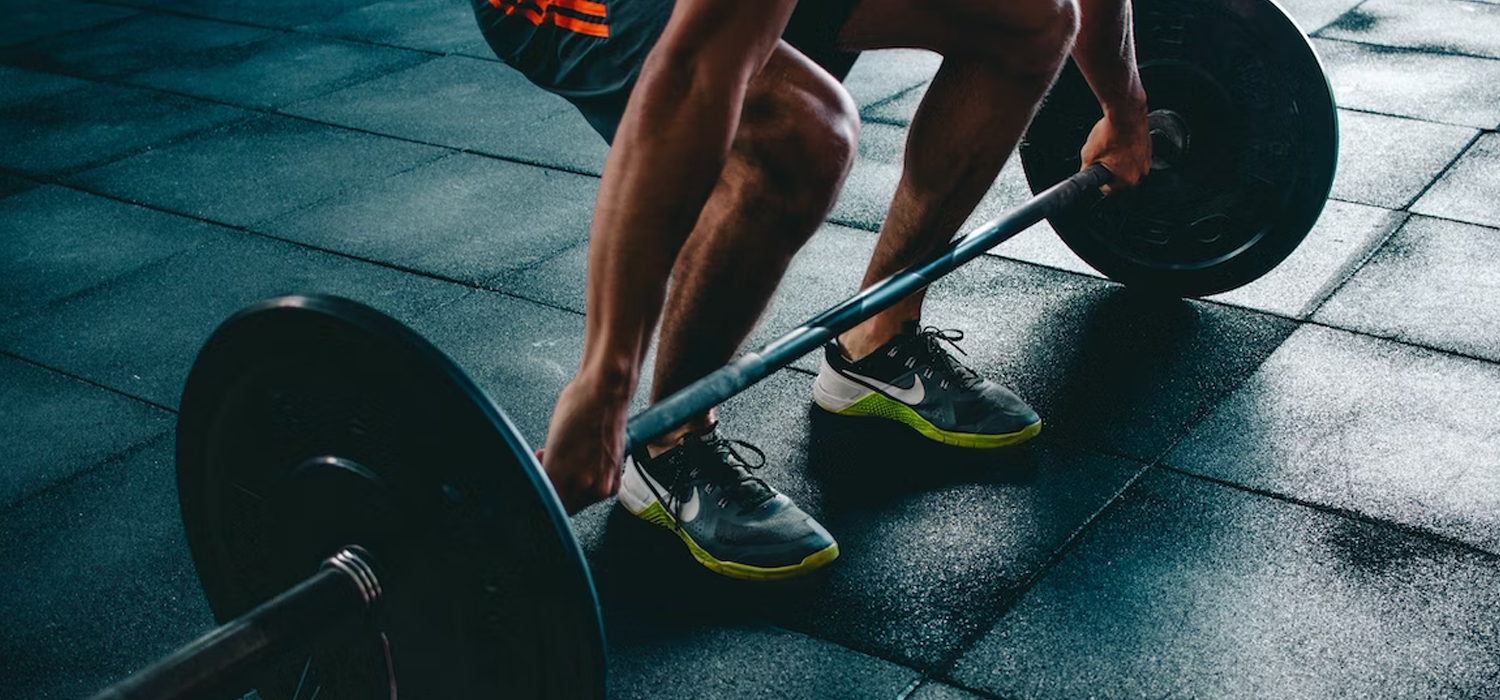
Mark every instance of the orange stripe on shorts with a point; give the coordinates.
(572, 24)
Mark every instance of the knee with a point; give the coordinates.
(1028, 38)
(803, 137)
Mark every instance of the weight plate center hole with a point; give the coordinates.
(1170, 139)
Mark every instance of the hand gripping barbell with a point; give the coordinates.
(366, 521)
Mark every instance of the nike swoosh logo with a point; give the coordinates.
(689, 511)
(910, 395)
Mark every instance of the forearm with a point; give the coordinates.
(668, 152)
(1105, 52)
(672, 144)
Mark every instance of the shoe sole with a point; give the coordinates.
(657, 514)
(878, 405)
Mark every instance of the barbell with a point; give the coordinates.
(366, 521)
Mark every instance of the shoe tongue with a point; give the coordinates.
(911, 327)
(735, 478)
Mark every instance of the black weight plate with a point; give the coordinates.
(1260, 162)
(310, 423)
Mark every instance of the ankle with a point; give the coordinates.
(671, 439)
(866, 338)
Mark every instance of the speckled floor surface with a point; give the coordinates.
(1291, 490)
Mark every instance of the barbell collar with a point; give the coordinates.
(223, 662)
(718, 386)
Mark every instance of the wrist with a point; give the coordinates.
(1128, 106)
(609, 382)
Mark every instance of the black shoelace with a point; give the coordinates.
(727, 471)
(931, 338)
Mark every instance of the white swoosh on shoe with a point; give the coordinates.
(689, 510)
(911, 395)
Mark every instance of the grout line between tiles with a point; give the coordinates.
(1347, 513)
(174, 12)
(1441, 173)
(1350, 268)
(1024, 586)
(86, 380)
(107, 461)
(261, 111)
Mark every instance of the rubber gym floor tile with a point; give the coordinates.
(255, 170)
(1191, 589)
(11, 185)
(1364, 425)
(1435, 26)
(934, 541)
(880, 75)
(898, 109)
(443, 27)
(556, 281)
(1432, 284)
(1467, 191)
(1345, 235)
(19, 87)
(1404, 82)
(28, 21)
(59, 241)
(133, 45)
(519, 352)
(97, 124)
(1312, 15)
(140, 333)
(277, 71)
(745, 661)
(459, 217)
(1106, 368)
(1370, 145)
(267, 13)
(933, 690)
(99, 580)
(55, 427)
(1041, 246)
(481, 106)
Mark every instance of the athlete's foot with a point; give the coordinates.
(914, 380)
(732, 522)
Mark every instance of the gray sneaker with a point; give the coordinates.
(731, 521)
(913, 380)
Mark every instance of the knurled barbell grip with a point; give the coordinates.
(752, 367)
(220, 664)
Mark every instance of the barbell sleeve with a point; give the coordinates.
(222, 662)
(739, 375)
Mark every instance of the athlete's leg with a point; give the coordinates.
(796, 143)
(999, 58)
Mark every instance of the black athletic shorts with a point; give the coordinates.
(591, 51)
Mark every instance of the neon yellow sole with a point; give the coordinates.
(881, 406)
(655, 513)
